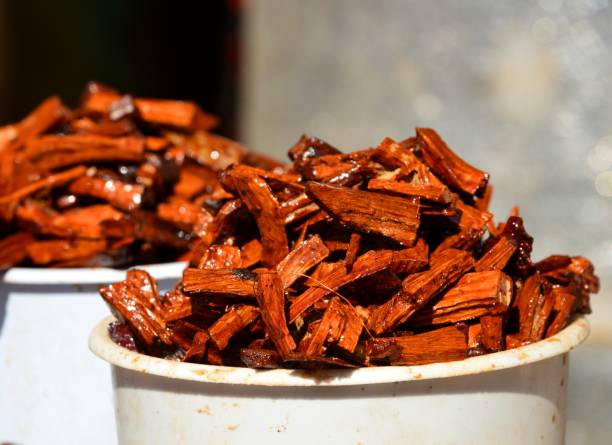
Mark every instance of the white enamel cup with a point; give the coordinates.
(515, 396)
(51, 388)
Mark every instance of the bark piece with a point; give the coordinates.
(271, 299)
(427, 192)
(447, 165)
(440, 345)
(260, 201)
(117, 193)
(49, 182)
(220, 257)
(233, 321)
(475, 295)
(418, 289)
(497, 256)
(51, 152)
(563, 306)
(367, 264)
(236, 282)
(353, 250)
(50, 251)
(250, 253)
(302, 258)
(369, 212)
(81, 222)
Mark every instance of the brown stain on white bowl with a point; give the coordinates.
(232, 427)
(204, 410)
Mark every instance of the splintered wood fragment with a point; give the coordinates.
(310, 147)
(260, 358)
(45, 116)
(340, 325)
(563, 306)
(321, 271)
(174, 113)
(49, 149)
(49, 251)
(250, 253)
(475, 295)
(103, 127)
(472, 223)
(221, 223)
(13, 249)
(439, 345)
(271, 299)
(81, 222)
(447, 165)
(553, 262)
(236, 282)
(542, 315)
(291, 205)
(369, 212)
(197, 351)
(302, 258)
(208, 149)
(98, 98)
(145, 284)
(48, 182)
(401, 157)
(367, 264)
(133, 303)
(584, 268)
(182, 212)
(121, 195)
(176, 305)
(333, 169)
(534, 307)
(233, 321)
(221, 256)
(410, 260)
(353, 250)
(526, 302)
(497, 256)
(301, 213)
(472, 218)
(259, 199)
(492, 334)
(428, 192)
(418, 289)
(345, 335)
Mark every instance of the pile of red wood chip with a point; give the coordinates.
(117, 181)
(382, 256)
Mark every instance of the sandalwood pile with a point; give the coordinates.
(384, 256)
(117, 181)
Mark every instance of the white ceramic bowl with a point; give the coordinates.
(515, 396)
(52, 389)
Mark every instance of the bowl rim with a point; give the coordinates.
(86, 275)
(102, 345)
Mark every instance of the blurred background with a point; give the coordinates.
(520, 89)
